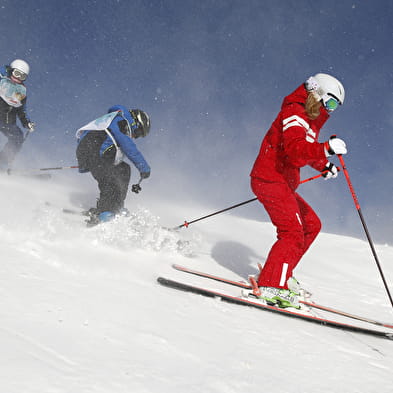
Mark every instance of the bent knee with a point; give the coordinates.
(16, 136)
(294, 237)
(314, 226)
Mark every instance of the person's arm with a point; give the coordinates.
(129, 148)
(299, 140)
(3, 72)
(23, 117)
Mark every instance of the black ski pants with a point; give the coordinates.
(113, 182)
(14, 144)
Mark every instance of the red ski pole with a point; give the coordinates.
(355, 199)
(11, 171)
(187, 223)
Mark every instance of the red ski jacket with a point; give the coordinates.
(291, 143)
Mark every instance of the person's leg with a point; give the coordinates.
(113, 184)
(123, 174)
(311, 224)
(14, 144)
(281, 204)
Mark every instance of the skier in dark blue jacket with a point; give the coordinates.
(102, 145)
(13, 106)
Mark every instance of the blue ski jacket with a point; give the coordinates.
(120, 139)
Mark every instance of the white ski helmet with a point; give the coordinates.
(20, 65)
(326, 85)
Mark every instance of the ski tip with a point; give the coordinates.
(70, 211)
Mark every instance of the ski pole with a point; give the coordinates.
(57, 168)
(26, 135)
(355, 199)
(10, 162)
(187, 223)
(42, 169)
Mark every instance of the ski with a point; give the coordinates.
(261, 306)
(75, 212)
(245, 285)
(90, 222)
(38, 176)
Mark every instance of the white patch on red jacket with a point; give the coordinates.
(297, 121)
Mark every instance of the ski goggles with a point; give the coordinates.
(138, 132)
(19, 74)
(330, 103)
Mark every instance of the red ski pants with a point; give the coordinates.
(297, 227)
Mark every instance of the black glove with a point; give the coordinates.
(330, 171)
(144, 175)
(30, 126)
(136, 188)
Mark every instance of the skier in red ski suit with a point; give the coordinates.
(291, 143)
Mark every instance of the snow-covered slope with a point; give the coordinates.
(81, 311)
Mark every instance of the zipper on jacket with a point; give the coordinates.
(7, 113)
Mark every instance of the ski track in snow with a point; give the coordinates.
(81, 310)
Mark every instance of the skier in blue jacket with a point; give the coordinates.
(12, 106)
(102, 145)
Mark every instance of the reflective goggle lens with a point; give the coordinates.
(330, 103)
(19, 74)
(138, 131)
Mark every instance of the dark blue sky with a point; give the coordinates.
(212, 75)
